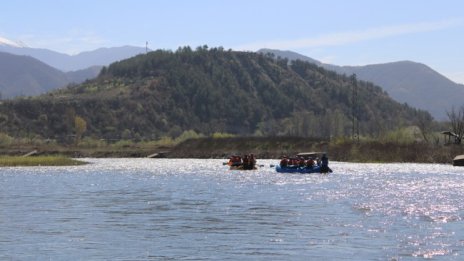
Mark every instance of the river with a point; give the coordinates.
(192, 209)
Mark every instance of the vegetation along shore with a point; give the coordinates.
(212, 102)
(13, 161)
(263, 147)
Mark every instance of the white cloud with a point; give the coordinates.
(457, 77)
(73, 42)
(5, 41)
(342, 38)
(328, 59)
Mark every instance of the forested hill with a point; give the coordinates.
(410, 82)
(208, 90)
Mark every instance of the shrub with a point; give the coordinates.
(5, 140)
(221, 135)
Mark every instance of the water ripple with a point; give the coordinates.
(151, 209)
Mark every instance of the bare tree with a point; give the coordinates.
(456, 118)
(81, 126)
(424, 123)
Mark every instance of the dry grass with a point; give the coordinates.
(12, 161)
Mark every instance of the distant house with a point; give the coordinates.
(451, 136)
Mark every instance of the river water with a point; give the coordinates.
(190, 209)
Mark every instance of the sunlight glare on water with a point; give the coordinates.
(151, 209)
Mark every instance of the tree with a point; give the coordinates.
(70, 116)
(456, 118)
(80, 126)
(424, 123)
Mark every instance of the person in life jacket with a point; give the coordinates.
(301, 162)
(293, 162)
(318, 161)
(310, 163)
(284, 161)
(246, 161)
(235, 161)
(325, 164)
(252, 161)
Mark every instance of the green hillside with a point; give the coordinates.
(414, 83)
(207, 91)
(24, 75)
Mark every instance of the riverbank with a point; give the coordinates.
(130, 151)
(14, 161)
(342, 150)
(262, 147)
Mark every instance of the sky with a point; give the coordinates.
(340, 32)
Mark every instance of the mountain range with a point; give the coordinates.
(26, 76)
(409, 82)
(28, 71)
(66, 62)
(21, 75)
(165, 93)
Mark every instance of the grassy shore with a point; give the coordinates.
(13, 161)
(342, 150)
(263, 147)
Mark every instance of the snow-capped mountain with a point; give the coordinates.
(8, 42)
(31, 71)
(66, 62)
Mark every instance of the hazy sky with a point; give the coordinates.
(341, 32)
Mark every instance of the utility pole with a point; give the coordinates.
(354, 109)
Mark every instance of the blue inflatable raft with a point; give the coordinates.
(302, 170)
